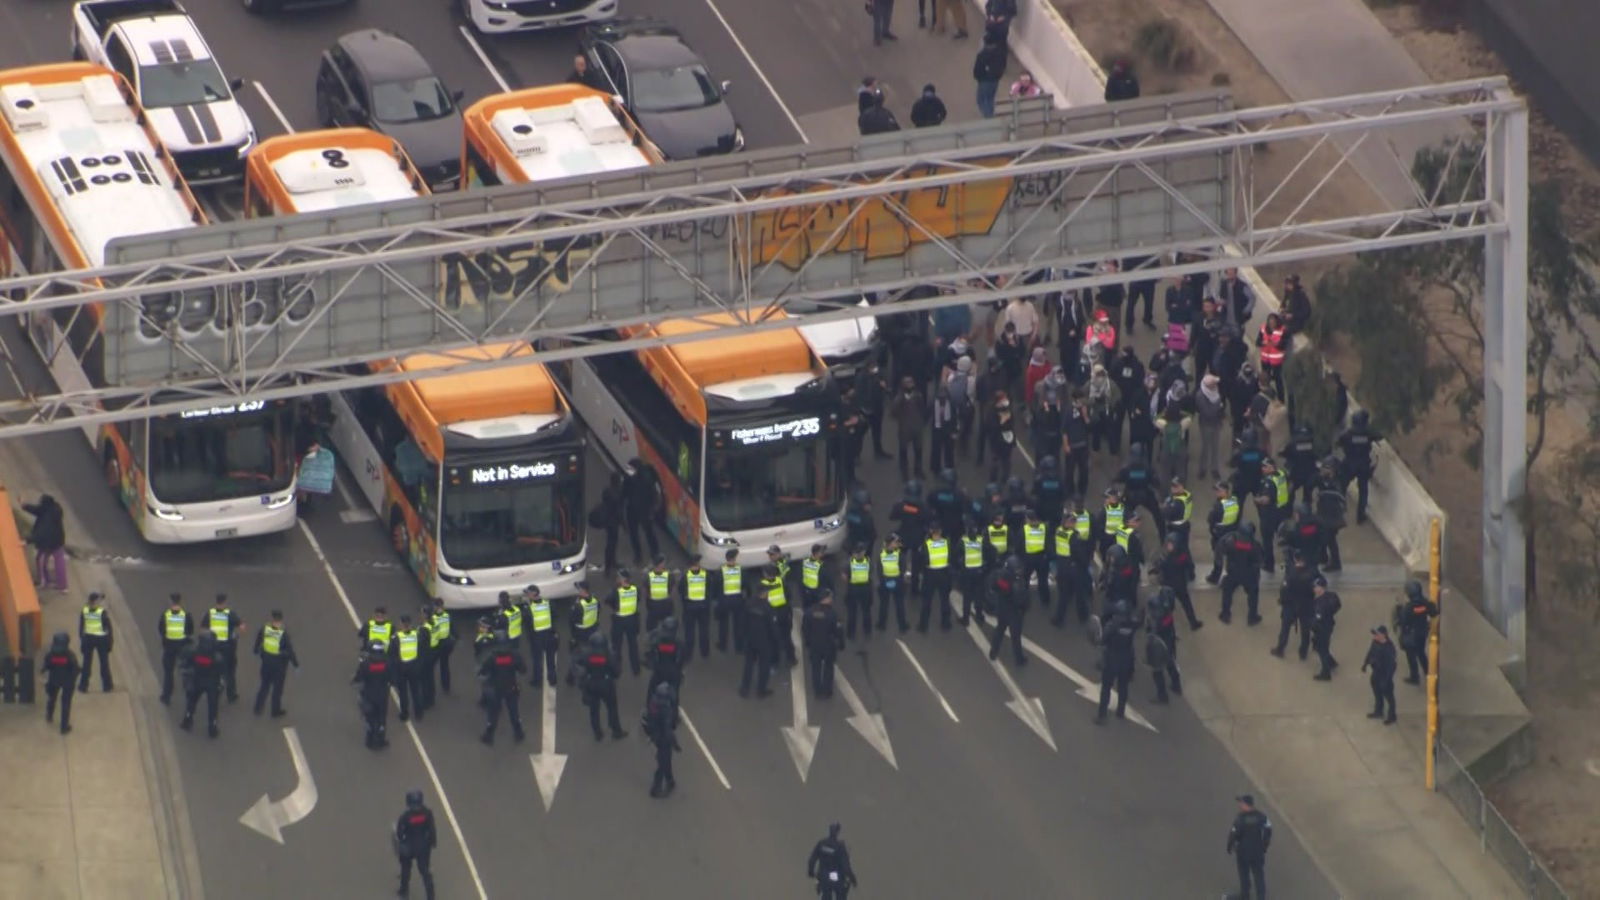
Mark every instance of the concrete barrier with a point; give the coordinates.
(1045, 45)
(20, 615)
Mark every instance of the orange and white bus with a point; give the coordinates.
(744, 432)
(313, 171)
(79, 168)
(545, 133)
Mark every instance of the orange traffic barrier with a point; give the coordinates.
(19, 602)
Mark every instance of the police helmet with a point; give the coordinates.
(1116, 553)
(597, 641)
(990, 489)
(1047, 465)
(1248, 529)
(861, 497)
(1013, 485)
(1014, 565)
(1174, 538)
(206, 640)
(60, 641)
(859, 548)
(833, 830)
(1167, 596)
(1414, 590)
(669, 625)
(1120, 610)
(913, 491)
(1360, 419)
(948, 476)
(1302, 510)
(413, 799)
(1329, 462)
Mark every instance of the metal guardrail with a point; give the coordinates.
(1495, 834)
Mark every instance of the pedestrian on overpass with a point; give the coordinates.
(830, 866)
(94, 638)
(60, 670)
(987, 70)
(929, 111)
(1248, 841)
(277, 654)
(414, 839)
(49, 540)
(176, 628)
(881, 11)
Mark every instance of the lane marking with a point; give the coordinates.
(547, 763)
(695, 733)
(948, 710)
(483, 57)
(416, 739)
(271, 818)
(869, 724)
(1088, 688)
(272, 105)
(1029, 709)
(802, 735)
(759, 74)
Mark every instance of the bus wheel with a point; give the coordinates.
(113, 471)
(400, 536)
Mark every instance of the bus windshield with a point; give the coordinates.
(486, 526)
(221, 455)
(762, 485)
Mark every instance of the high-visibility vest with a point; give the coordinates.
(889, 563)
(627, 600)
(732, 580)
(409, 646)
(176, 625)
(783, 569)
(588, 612)
(222, 619)
(972, 552)
(540, 611)
(1123, 535)
(1280, 489)
(1063, 540)
(1187, 502)
(811, 573)
(998, 537)
(1033, 538)
(1271, 346)
(659, 582)
(860, 570)
(1113, 517)
(694, 584)
(938, 553)
(439, 628)
(1230, 511)
(272, 640)
(94, 621)
(774, 586)
(513, 622)
(1083, 526)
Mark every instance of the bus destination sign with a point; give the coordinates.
(505, 473)
(247, 406)
(777, 431)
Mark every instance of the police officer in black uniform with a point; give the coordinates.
(1248, 841)
(1324, 608)
(860, 525)
(1049, 491)
(203, 666)
(1163, 660)
(1331, 500)
(760, 645)
(1356, 446)
(1300, 457)
(830, 866)
(499, 671)
(1240, 550)
(1172, 571)
(1295, 601)
(823, 637)
(414, 839)
(1120, 577)
(910, 516)
(60, 670)
(277, 654)
(1118, 659)
(1415, 623)
(1381, 663)
(176, 628)
(1008, 595)
(660, 722)
(1304, 536)
(597, 679)
(665, 655)
(947, 503)
(1138, 480)
(1246, 463)
(372, 674)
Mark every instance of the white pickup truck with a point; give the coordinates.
(190, 103)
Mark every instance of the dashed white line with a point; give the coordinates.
(759, 74)
(695, 733)
(483, 57)
(416, 740)
(948, 710)
(273, 105)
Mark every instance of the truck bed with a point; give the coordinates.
(102, 14)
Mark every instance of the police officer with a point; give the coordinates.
(277, 654)
(814, 576)
(1415, 616)
(760, 647)
(1179, 512)
(998, 534)
(1273, 499)
(1049, 491)
(542, 638)
(372, 674)
(225, 625)
(1113, 516)
(1075, 536)
(597, 679)
(892, 577)
(1295, 601)
(410, 667)
(176, 628)
(1304, 535)
(95, 637)
(1118, 659)
(858, 591)
(1008, 596)
(1355, 443)
(1223, 519)
(1161, 648)
(1248, 840)
(660, 722)
(584, 620)
(779, 561)
(1127, 537)
(823, 636)
(414, 839)
(934, 562)
(976, 560)
(1242, 553)
(696, 585)
(483, 641)
(658, 593)
(203, 667)
(1300, 456)
(911, 522)
(511, 617)
(730, 602)
(60, 670)
(948, 503)
(377, 630)
(776, 593)
(1246, 463)
(1331, 503)
(1036, 553)
(1172, 571)
(1324, 608)
(441, 643)
(830, 866)
(499, 670)
(665, 656)
(1381, 663)
(625, 618)
(860, 525)
(1138, 480)
(1119, 578)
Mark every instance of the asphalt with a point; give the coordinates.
(976, 807)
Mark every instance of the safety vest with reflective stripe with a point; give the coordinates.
(998, 537)
(439, 628)
(1113, 517)
(1063, 540)
(659, 582)
(1033, 538)
(782, 566)
(732, 580)
(588, 612)
(889, 563)
(176, 625)
(222, 619)
(539, 611)
(694, 584)
(1230, 512)
(513, 615)
(1187, 501)
(972, 552)
(627, 600)
(1280, 489)
(272, 640)
(409, 645)
(860, 570)
(938, 553)
(811, 573)
(94, 621)
(1123, 535)
(775, 598)
(1271, 346)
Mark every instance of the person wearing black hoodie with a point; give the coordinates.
(49, 540)
(987, 69)
(928, 111)
(876, 119)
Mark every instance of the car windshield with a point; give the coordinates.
(413, 100)
(181, 84)
(490, 526)
(777, 483)
(221, 456)
(678, 87)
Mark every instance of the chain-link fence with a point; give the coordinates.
(1494, 832)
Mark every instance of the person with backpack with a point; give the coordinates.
(959, 387)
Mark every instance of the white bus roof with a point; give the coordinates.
(581, 137)
(314, 181)
(97, 164)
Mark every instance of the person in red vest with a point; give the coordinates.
(1273, 342)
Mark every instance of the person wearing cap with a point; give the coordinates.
(60, 671)
(542, 638)
(1074, 546)
(814, 576)
(776, 589)
(406, 652)
(1273, 500)
(731, 592)
(441, 641)
(933, 561)
(1414, 620)
(585, 619)
(1223, 521)
(225, 624)
(1295, 600)
(94, 638)
(858, 591)
(277, 654)
(1173, 569)
(760, 647)
(1248, 841)
(658, 582)
(1381, 663)
(824, 637)
(414, 839)
(624, 603)
(1324, 608)
(829, 864)
(694, 583)
(376, 630)
(176, 628)
(1121, 83)
(893, 569)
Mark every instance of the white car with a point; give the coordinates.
(844, 346)
(503, 16)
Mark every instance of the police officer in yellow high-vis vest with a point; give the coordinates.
(775, 589)
(94, 638)
(176, 628)
(1224, 521)
(1036, 554)
(892, 577)
(406, 650)
(731, 593)
(277, 655)
(542, 637)
(225, 625)
(934, 562)
(696, 586)
(625, 618)
(976, 557)
(858, 593)
(441, 642)
(584, 620)
(658, 582)
(814, 576)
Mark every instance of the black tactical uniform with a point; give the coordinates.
(1415, 623)
(1381, 663)
(60, 670)
(1118, 660)
(1163, 659)
(1009, 597)
(500, 671)
(660, 722)
(665, 656)
(203, 666)
(372, 674)
(1356, 446)
(1248, 841)
(597, 679)
(414, 839)
(759, 646)
(1295, 605)
(830, 866)
(1324, 609)
(1242, 554)
(823, 637)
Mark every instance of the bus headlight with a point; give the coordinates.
(715, 541)
(827, 525)
(165, 513)
(573, 566)
(738, 138)
(280, 501)
(458, 580)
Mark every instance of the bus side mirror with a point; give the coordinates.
(727, 86)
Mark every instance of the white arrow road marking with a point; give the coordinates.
(1087, 688)
(547, 763)
(695, 733)
(1028, 709)
(948, 709)
(801, 736)
(870, 724)
(270, 818)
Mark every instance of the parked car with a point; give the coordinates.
(374, 79)
(504, 16)
(665, 86)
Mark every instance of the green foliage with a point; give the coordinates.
(1306, 377)
(1161, 41)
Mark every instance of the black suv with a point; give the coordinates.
(665, 86)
